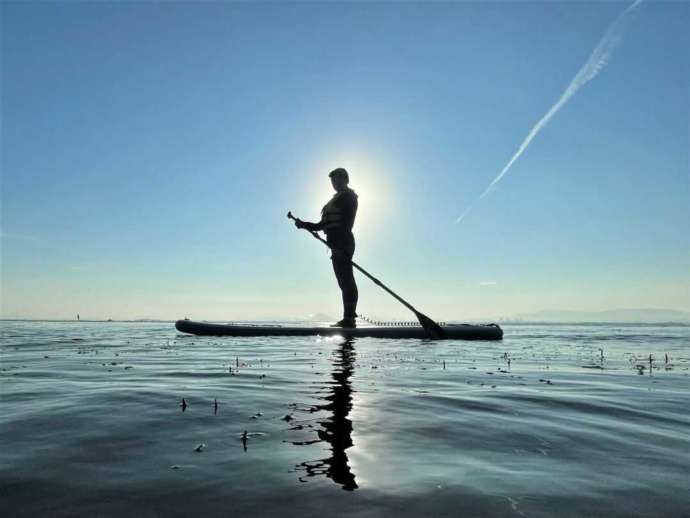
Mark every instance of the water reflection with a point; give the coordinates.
(335, 428)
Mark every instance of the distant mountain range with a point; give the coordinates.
(650, 316)
(622, 316)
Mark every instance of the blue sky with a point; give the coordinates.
(150, 152)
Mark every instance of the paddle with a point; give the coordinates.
(433, 330)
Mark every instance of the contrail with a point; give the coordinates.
(600, 57)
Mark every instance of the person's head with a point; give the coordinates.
(339, 178)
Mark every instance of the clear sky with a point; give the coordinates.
(150, 152)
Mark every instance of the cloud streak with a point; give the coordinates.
(598, 59)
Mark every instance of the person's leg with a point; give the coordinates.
(349, 290)
(350, 295)
(342, 267)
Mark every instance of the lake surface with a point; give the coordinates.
(554, 420)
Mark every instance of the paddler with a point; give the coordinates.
(337, 219)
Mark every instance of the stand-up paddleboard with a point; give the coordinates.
(452, 331)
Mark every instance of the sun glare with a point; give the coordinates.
(367, 178)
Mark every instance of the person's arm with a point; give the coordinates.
(312, 227)
(348, 206)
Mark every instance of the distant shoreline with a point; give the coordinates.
(499, 322)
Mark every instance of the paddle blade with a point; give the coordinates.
(432, 329)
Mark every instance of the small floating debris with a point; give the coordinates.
(249, 435)
(287, 418)
(257, 415)
(200, 447)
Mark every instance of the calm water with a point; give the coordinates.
(540, 424)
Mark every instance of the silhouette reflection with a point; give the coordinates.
(336, 428)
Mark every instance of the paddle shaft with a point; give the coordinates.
(374, 279)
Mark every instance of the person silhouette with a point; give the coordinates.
(337, 219)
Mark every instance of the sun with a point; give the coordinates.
(367, 178)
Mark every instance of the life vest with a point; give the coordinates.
(331, 215)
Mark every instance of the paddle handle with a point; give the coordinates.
(374, 279)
